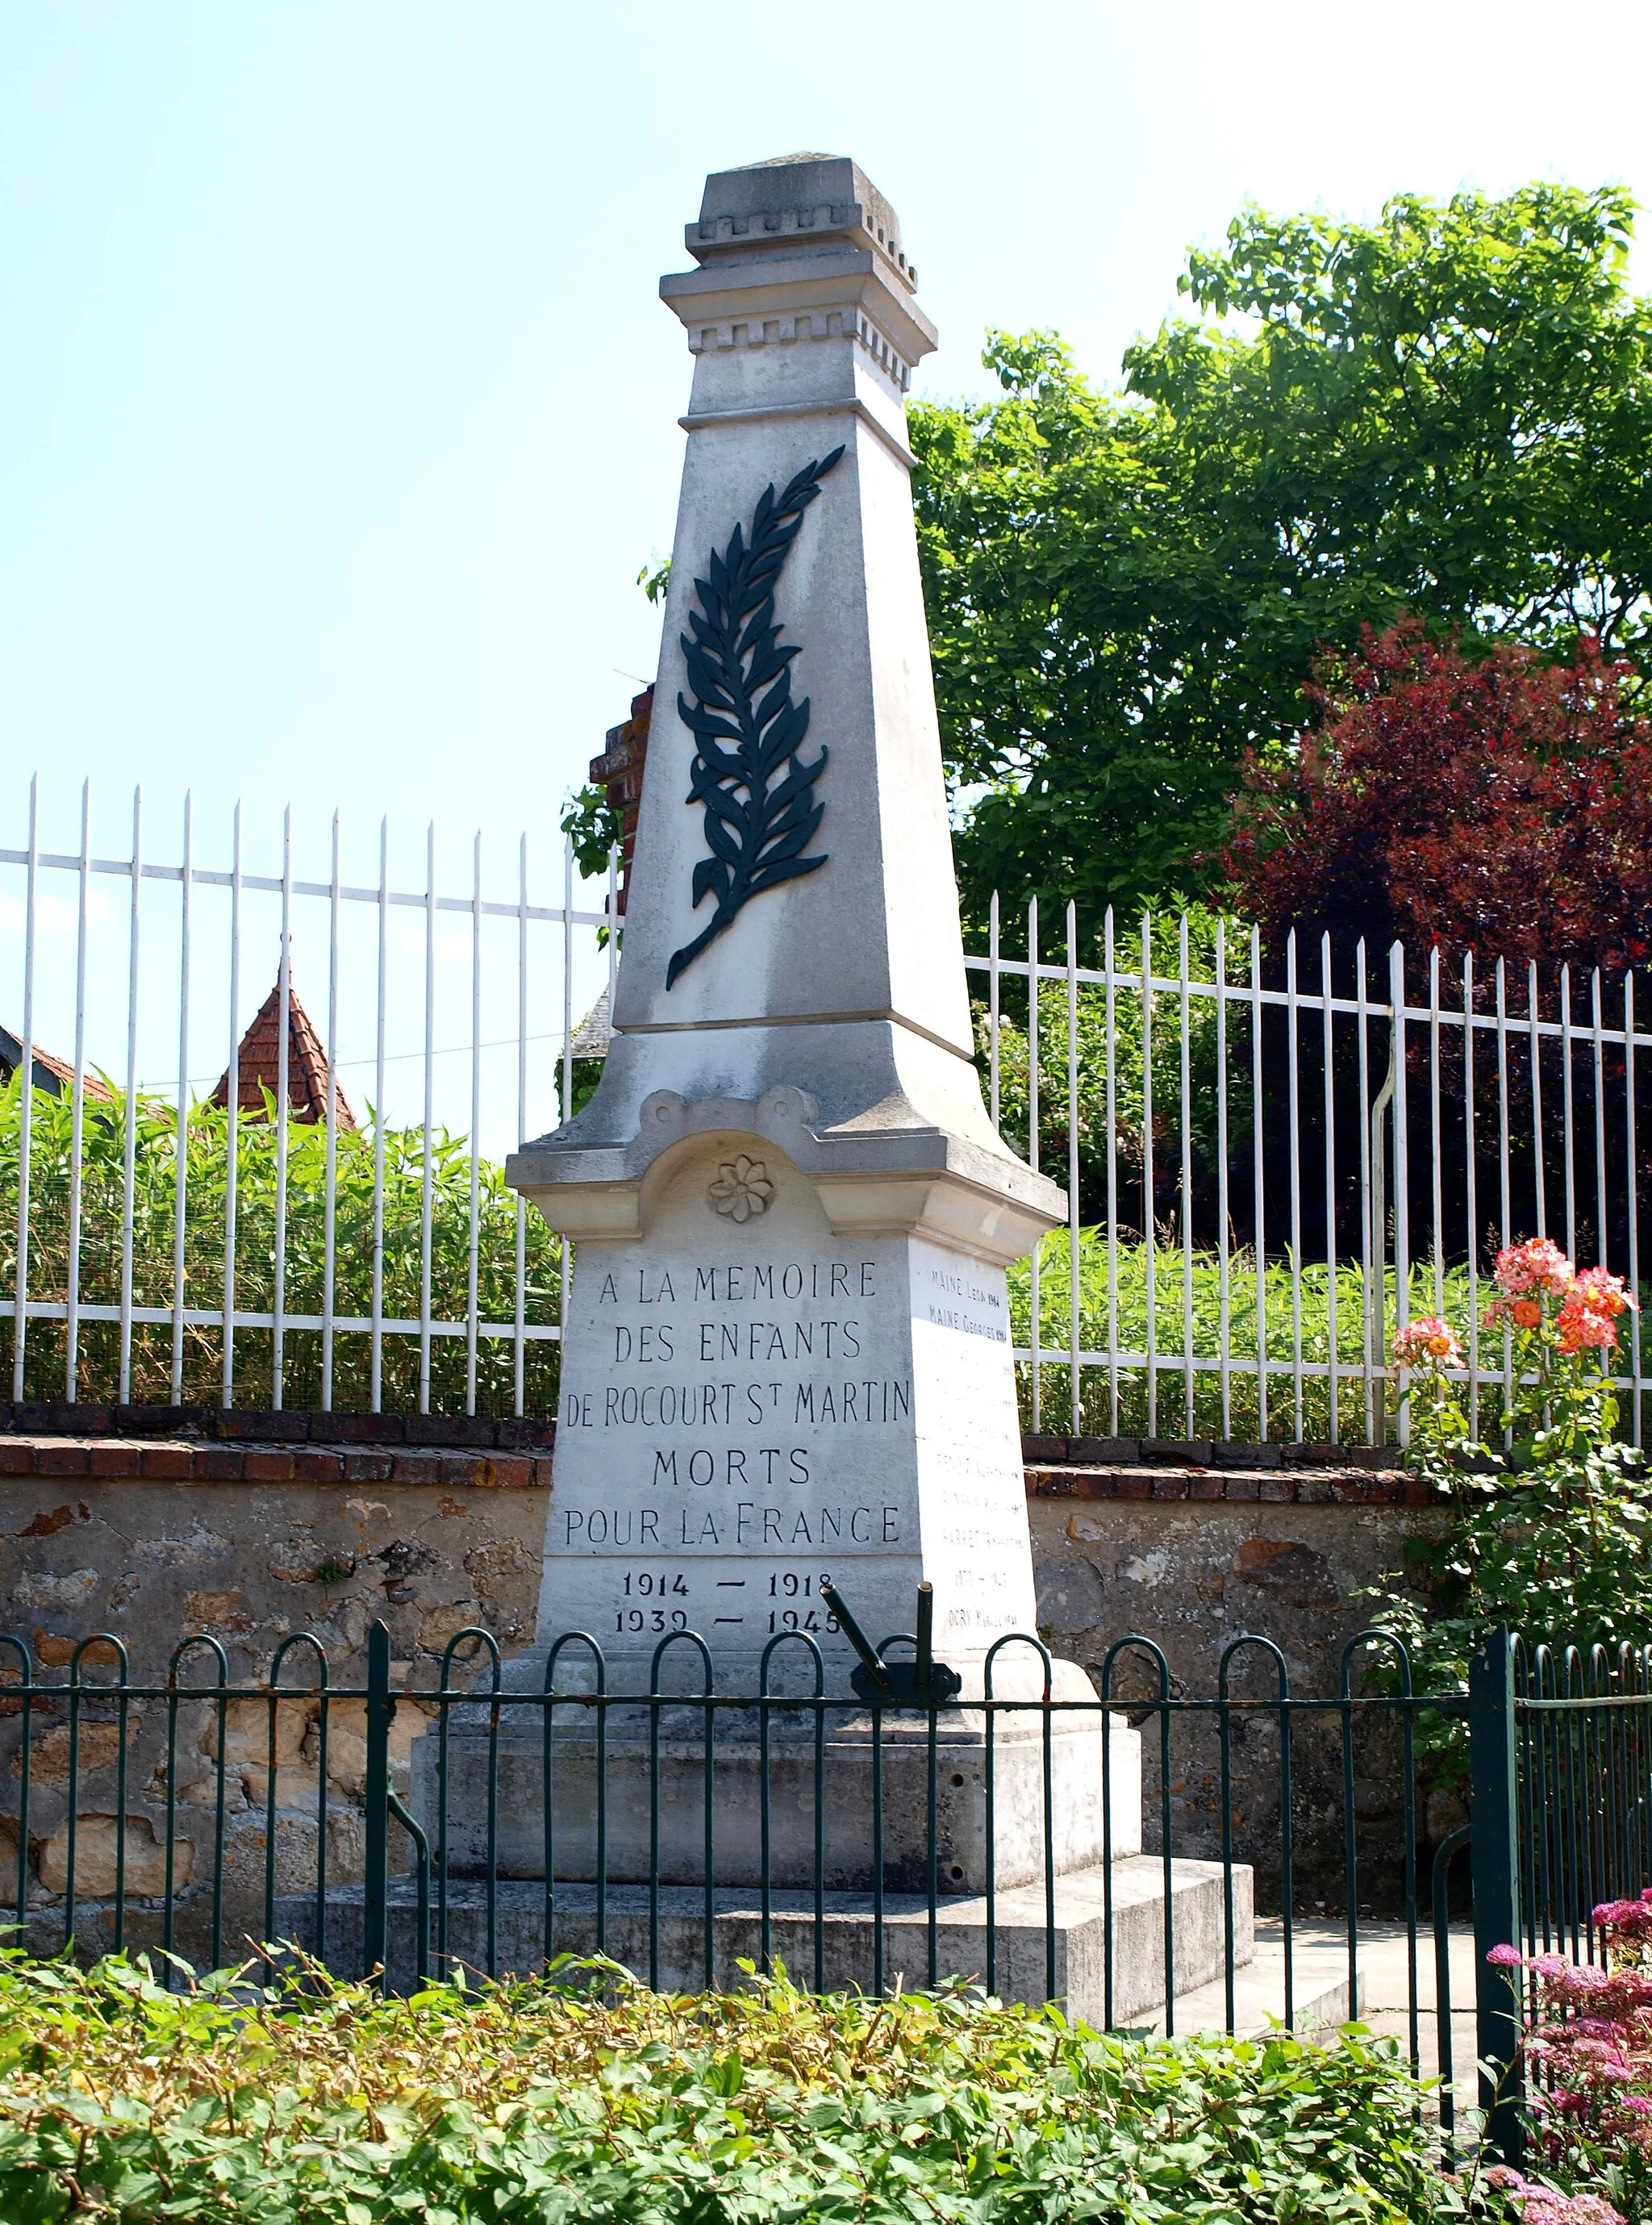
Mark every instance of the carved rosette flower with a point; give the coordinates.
(742, 1189)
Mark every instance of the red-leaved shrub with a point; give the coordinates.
(1501, 801)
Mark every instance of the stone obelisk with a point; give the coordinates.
(788, 1351)
(788, 1347)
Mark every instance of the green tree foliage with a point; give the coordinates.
(205, 1176)
(594, 825)
(1448, 412)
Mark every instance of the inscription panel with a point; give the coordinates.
(748, 1408)
(977, 1552)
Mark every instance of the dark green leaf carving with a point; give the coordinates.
(760, 815)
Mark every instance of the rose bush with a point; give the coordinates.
(1552, 1535)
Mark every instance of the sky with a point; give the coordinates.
(338, 408)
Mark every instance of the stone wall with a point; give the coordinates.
(253, 1537)
(1192, 1547)
(157, 1539)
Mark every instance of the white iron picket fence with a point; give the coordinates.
(543, 975)
(1376, 1166)
(1262, 1188)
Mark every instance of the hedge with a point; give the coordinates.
(591, 2098)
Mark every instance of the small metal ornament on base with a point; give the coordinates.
(923, 1682)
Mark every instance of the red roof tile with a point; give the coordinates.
(259, 1065)
(53, 1075)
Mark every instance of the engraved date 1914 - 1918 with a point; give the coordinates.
(657, 1601)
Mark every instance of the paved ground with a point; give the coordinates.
(1319, 1988)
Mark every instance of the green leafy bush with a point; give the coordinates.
(205, 1179)
(315, 2102)
(1127, 1306)
(1280, 1312)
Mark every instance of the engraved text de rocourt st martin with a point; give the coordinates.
(737, 1316)
(778, 1354)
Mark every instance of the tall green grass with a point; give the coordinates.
(205, 1177)
(1292, 1319)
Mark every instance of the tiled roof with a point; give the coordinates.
(259, 1065)
(55, 1075)
(591, 1038)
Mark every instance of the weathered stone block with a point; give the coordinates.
(249, 1734)
(97, 1857)
(298, 1787)
(98, 1743)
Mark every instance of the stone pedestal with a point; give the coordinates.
(927, 1789)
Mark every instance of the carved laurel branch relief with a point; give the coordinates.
(758, 793)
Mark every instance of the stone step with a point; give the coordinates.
(846, 1933)
(1319, 1992)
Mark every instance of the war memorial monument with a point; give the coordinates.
(787, 1361)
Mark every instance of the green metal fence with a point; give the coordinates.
(406, 1825)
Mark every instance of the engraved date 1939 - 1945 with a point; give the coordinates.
(657, 1600)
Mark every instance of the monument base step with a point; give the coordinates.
(846, 1935)
(1318, 2000)
(653, 1799)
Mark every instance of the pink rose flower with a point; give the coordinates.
(1603, 1293)
(1582, 1328)
(1537, 1265)
(1427, 1338)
